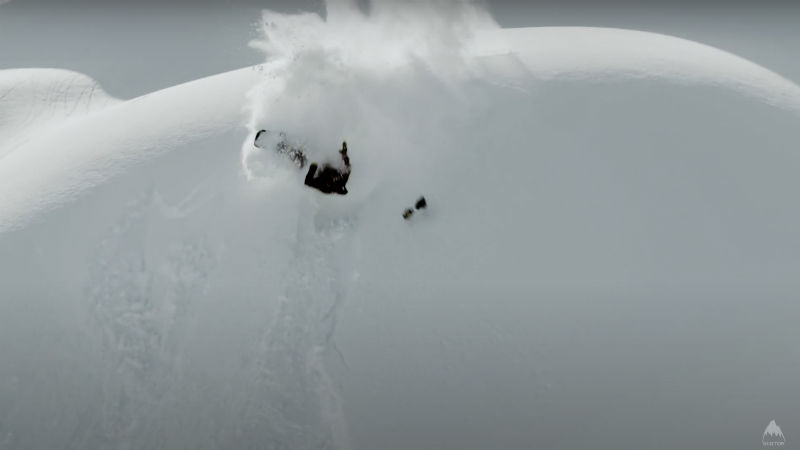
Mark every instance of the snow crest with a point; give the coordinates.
(34, 100)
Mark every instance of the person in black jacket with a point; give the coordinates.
(330, 179)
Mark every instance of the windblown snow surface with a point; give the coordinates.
(35, 99)
(609, 257)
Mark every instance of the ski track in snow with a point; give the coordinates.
(35, 101)
(295, 402)
(139, 300)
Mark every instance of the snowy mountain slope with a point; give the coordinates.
(34, 100)
(558, 52)
(608, 53)
(607, 225)
(58, 165)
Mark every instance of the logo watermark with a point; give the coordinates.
(773, 436)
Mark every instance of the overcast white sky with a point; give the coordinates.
(135, 48)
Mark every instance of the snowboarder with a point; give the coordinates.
(328, 179)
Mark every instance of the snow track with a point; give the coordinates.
(33, 101)
(295, 402)
(141, 298)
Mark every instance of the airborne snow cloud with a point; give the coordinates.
(320, 74)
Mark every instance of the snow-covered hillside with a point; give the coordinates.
(62, 160)
(33, 100)
(609, 256)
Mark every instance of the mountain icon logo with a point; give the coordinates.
(773, 436)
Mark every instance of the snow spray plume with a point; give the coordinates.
(370, 80)
(322, 74)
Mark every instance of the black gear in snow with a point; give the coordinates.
(420, 204)
(258, 135)
(295, 154)
(330, 179)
